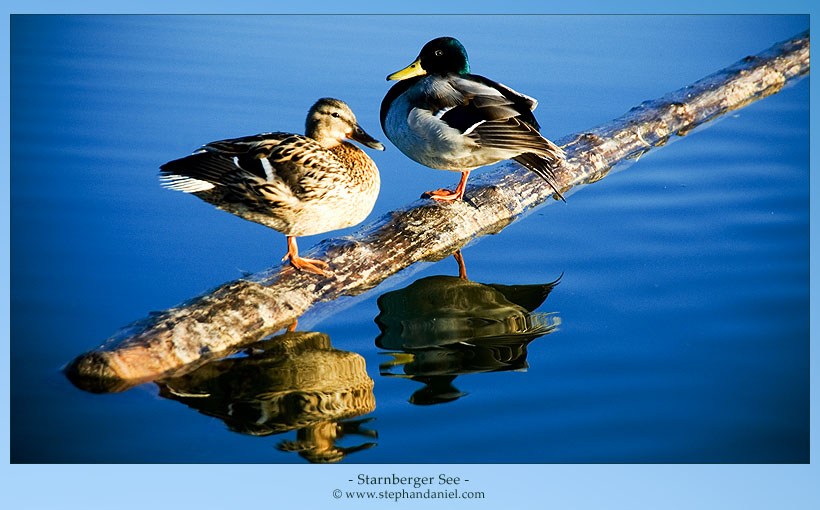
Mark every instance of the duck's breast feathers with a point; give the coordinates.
(392, 95)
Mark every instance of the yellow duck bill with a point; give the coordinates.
(410, 71)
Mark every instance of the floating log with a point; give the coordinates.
(240, 312)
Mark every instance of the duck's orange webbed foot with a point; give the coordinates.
(302, 263)
(309, 265)
(445, 195)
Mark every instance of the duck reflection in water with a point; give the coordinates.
(295, 381)
(440, 327)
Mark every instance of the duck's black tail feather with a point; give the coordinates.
(542, 167)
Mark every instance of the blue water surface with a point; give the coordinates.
(679, 327)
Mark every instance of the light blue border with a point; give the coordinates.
(524, 486)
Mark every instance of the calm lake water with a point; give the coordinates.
(661, 315)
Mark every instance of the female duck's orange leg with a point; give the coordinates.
(445, 195)
(303, 264)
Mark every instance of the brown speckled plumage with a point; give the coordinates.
(298, 185)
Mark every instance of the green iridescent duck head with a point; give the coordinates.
(443, 55)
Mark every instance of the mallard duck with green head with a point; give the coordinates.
(298, 185)
(443, 117)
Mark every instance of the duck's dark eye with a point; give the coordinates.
(438, 53)
(334, 114)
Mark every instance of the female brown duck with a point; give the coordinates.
(297, 185)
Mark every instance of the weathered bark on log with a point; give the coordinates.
(239, 312)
